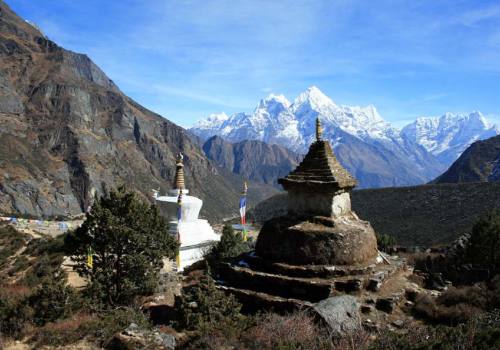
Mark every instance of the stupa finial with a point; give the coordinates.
(319, 129)
(179, 173)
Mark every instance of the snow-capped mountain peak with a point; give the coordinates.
(314, 98)
(448, 136)
(214, 119)
(274, 99)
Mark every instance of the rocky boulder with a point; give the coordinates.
(134, 338)
(340, 314)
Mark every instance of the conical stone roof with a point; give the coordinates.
(320, 170)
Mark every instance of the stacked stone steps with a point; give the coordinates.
(307, 289)
(261, 284)
(306, 271)
(253, 301)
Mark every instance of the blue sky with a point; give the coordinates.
(186, 59)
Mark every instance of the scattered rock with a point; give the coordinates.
(340, 314)
(385, 304)
(435, 281)
(435, 293)
(374, 285)
(417, 279)
(398, 323)
(370, 326)
(366, 309)
(411, 294)
(409, 303)
(133, 337)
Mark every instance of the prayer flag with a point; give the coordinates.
(243, 208)
(90, 258)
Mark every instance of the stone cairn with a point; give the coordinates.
(319, 249)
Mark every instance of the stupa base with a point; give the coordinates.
(318, 240)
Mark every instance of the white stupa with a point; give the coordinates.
(195, 235)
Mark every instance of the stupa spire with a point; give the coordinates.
(319, 129)
(179, 173)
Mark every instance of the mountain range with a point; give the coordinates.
(448, 136)
(375, 152)
(67, 132)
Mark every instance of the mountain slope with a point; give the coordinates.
(254, 160)
(68, 132)
(365, 143)
(448, 136)
(479, 163)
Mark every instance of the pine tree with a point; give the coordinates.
(484, 244)
(128, 240)
(231, 244)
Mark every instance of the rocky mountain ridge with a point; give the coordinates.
(67, 132)
(479, 163)
(254, 160)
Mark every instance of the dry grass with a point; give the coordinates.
(451, 314)
(14, 292)
(63, 332)
(273, 329)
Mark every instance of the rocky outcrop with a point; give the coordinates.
(67, 132)
(479, 163)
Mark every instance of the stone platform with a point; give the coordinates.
(260, 284)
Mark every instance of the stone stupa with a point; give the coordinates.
(320, 227)
(195, 234)
(319, 249)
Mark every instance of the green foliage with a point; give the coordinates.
(116, 320)
(385, 242)
(10, 242)
(51, 301)
(484, 244)
(204, 307)
(20, 264)
(128, 239)
(460, 304)
(46, 267)
(231, 244)
(14, 314)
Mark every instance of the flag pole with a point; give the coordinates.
(243, 207)
(179, 218)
